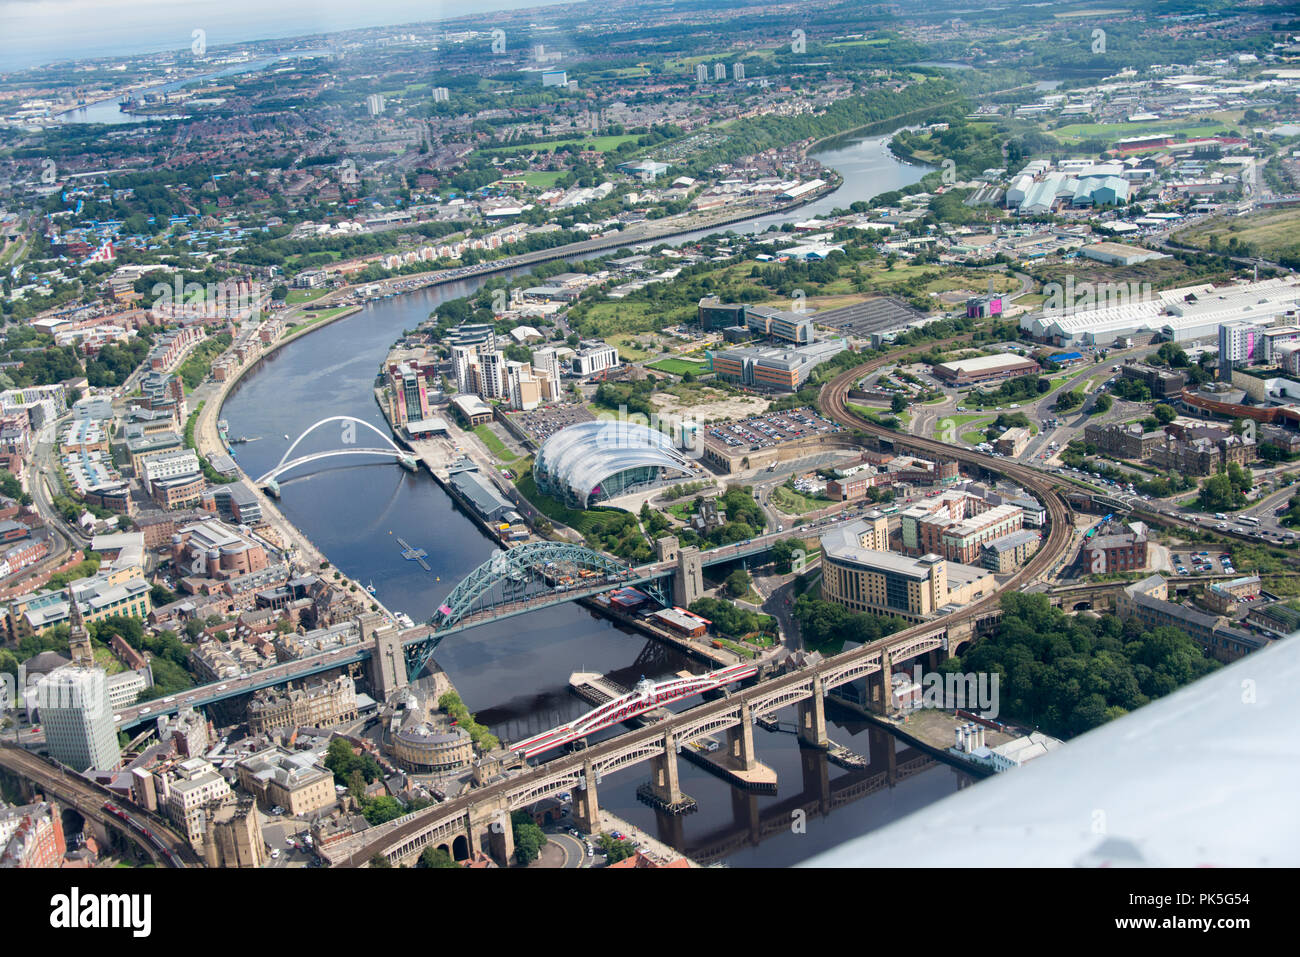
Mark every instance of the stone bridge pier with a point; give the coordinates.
(740, 742)
(492, 833)
(665, 790)
(880, 686)
(586, 805)
(812, 717)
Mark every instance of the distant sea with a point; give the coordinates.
(40, 32)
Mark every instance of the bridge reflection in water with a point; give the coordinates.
(756, 818)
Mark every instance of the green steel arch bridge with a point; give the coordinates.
(523, 579)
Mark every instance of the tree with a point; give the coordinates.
(435, 857)
(1218, 495)
(1102, 404)
(738, 583)
(529, 838)
(897, 404)
(1164, 413)
(1069, 400)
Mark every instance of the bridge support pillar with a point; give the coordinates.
(740, 741)
(880, 692)
(664, 781)
(499, 841)
(812, 717)
(586, 806)
(688, 580)
(387, 657)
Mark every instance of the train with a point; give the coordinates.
(168, 855)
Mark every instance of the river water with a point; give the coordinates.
(514, 673)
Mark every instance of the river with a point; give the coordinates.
(514, 674)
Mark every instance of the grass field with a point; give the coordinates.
(320, 316)
(678, 366)
(494, 444)
(606, 319)
(541, 179)
(794, 503)
(298, 296)
(1270, 233)
(1200, 126)
(584, 522)
(603, 143)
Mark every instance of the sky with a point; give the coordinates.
(37, 32)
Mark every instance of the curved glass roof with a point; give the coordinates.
(576, 460)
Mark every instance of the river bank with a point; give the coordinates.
(514, 674)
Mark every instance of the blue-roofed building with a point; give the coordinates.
(1066, 358)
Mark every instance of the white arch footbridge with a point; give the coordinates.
(287, 462)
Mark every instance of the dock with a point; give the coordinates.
(412, 554)
(595, 688)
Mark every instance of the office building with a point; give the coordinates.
(863, 578)
(1146, 601)
(77, 718)
(184, 789)
(594, 357)
(313, 706)
(293, 780)
(1163, 383)
(776, 369)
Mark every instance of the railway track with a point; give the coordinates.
(834, 405)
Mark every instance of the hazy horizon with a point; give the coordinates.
(34, 31)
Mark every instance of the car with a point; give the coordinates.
(275, 853)
(222, 687)
(145, 710)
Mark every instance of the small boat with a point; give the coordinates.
(371, 587)
(286, 436)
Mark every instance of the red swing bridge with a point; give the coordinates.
(646, 696)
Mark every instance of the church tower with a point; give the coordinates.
(83, 655)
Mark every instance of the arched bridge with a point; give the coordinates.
(287, 462)
(522, 579)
